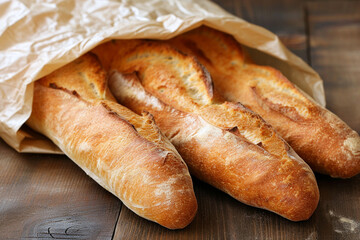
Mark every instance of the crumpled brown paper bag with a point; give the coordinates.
(37, 37)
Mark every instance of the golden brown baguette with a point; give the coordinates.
(223, 144)
(325, 142)
(124, 152)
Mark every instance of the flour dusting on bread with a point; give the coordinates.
(117, 81)
(315, 133)
(224, 144)
(124, 152)
(352, 144)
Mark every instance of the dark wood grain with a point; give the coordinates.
(49, 197)
(334, 29)
(338, 213)
(335, 54)
(283, 17)
(219, 217)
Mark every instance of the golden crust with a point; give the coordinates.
(124, 152)
(194, 81)
(317, 135)
(83, 74)
(252, 164)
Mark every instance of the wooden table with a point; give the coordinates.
(47, 196)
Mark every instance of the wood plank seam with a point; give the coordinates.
(117, 220)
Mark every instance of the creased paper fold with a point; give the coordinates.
(38, 37)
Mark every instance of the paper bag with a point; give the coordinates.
(38, 37)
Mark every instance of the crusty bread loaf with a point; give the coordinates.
(223, 143)
(325, 142)
(124, 152)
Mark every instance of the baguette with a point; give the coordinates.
(325, 142)
(122, 151)
(224, 144)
